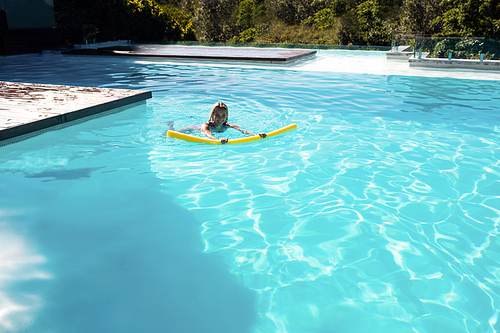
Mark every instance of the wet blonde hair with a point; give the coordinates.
(218, 105)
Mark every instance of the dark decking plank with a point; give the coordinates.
(200, 53)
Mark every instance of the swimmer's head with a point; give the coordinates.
(219, 110)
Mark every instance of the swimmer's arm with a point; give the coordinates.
(236, 127)
(206, 130)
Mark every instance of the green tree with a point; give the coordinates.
(468, 18)
(251, 13)
(377, 19)
(292, 11)
(120, 19)
(301, 21)
(328, 12)
(215, 20)
(341, 16)
(417, 15)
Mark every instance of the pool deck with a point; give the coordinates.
(244, 54)
(26, 108)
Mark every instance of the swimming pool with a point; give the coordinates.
(379, 214)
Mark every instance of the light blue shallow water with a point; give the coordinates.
(379, 214)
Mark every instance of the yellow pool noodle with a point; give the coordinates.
(192, 138)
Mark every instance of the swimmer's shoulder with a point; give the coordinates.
(205, 126)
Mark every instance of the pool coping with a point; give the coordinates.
(24, 111)
(488, 65)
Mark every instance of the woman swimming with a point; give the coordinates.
(216, 123)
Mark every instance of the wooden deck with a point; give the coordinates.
(26, 108)
(245, 54)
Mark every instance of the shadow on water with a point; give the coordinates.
(64, 174)
(123, 259)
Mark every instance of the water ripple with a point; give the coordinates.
(379, 214)
(401, 212)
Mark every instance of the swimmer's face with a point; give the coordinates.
(220, 116)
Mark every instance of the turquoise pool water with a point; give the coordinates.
(379, 214)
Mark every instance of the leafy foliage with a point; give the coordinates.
(281, 33)
(322, 19)
(468, 18)
(361, 22)
(373, 22)
(121, 19)
(215, 20)
(251, 13)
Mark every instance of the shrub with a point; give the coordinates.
(143, 20)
